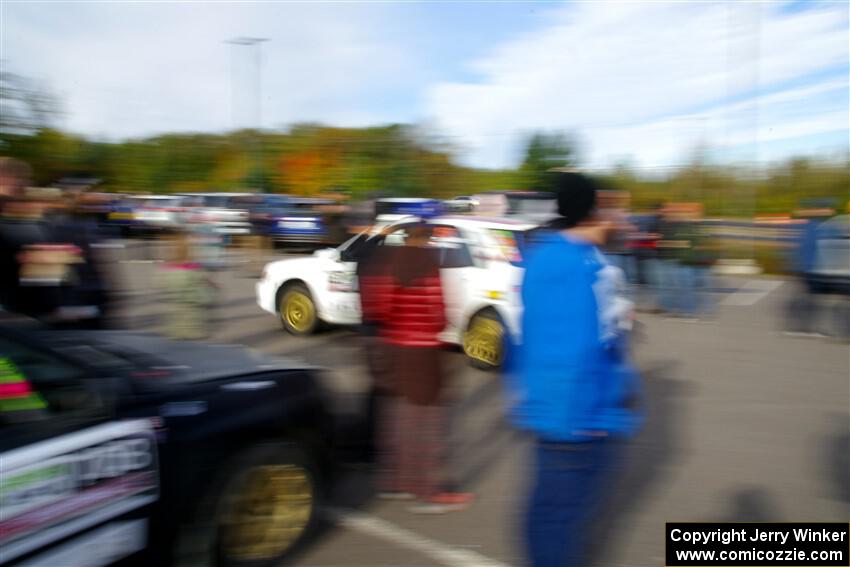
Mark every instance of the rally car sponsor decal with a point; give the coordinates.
(52, 489)
(16, 393)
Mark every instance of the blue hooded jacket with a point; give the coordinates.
(568, 382)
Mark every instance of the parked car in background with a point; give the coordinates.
(153, 214)
(491, 203)
(262, 209)
(120, 215)
(393, 209)
(117, 445)
(95, 206)
(461, 204)
(481, 269)
(535, 207)
(304, 222)
(831, 270)
(228, 213)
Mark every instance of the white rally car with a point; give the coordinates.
(481, 276)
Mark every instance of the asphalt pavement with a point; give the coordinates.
(743, 423)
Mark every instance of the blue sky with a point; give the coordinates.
(644, 82)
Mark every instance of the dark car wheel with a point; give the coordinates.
(297, 310)
(485, 340)
(259, 513)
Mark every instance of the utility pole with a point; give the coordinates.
(255, 43)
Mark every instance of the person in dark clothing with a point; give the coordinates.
(30, 276)
(666, 272)
(87, 303)
(405, 300)
(695, 257)
(371, 264)
(48, 263)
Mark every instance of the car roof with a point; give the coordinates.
(216, 194)
(156, 197)
(311, 200)
(485, 222)
(407, 200)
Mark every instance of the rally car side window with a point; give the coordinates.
(396, 238)
(36, 384)
(454, 251)
(352, 249)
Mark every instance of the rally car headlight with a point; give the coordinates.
(342, 281)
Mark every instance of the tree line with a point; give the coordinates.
(397, 160)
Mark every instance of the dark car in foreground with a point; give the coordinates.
(121, 446)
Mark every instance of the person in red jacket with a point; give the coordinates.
(405, 300)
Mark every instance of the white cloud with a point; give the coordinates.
(739, 128)
(645, 81)
(627, 76)
(129, 69)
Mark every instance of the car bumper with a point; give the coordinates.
(266, 291)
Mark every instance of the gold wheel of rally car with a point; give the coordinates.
(484, 340)
(297, 310)
(268, 511)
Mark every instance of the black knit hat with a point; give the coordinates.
(576, 195)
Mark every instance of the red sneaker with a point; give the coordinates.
(443, 503)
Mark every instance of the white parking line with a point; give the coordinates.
(752, 292)
(440, 552)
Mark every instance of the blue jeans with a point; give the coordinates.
(694, 283)
(570, 483)
(627, 263)
(664, 281)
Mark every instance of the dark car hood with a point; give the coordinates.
(166, 361)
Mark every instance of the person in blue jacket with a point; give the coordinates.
(572, 384)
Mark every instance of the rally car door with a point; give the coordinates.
(457, 272)
(75, 485)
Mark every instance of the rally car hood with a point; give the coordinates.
(289, 264)
(164, 361)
